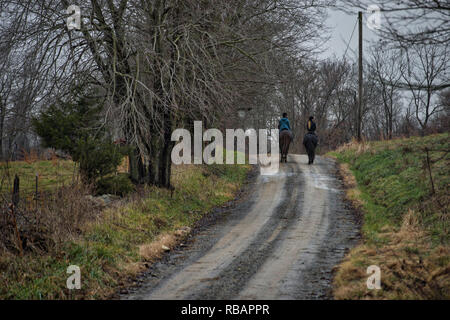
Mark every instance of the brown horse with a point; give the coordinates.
(285, 141)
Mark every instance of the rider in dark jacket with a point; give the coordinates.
(311, 125)
(310, 140)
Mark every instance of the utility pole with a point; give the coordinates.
(360, 89)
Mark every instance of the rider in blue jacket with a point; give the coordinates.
(284, 123)
(284, 128)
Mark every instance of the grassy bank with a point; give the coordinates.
(401, 188)
(121, 241)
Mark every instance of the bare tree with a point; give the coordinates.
(387, 68)
(410, 21)
(416, 33)
(426, 65)
(160, 63)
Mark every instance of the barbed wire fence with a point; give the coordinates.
(25, 194)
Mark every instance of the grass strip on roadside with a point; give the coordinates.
(122, 240)
(401, 189)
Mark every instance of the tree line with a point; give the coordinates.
(156, 65)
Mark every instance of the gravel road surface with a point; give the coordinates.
(281, 240)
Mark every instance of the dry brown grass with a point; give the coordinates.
(58, 218)
(150, 252)
(405, 229)
(30, 157)
(359, 147)
(352, 193)
(164, 242)
(68, 212)
(410, 267)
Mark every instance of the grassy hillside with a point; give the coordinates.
(401, 187)
(111, 246)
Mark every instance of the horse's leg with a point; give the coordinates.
(287, 149)
(286, 142)
(283, 147)
(308, 150)
(280, 144)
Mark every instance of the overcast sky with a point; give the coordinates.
(341, 26)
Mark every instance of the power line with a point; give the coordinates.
(343, 58)
(351, 37)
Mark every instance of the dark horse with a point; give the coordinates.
(285, 141)
(310, 142)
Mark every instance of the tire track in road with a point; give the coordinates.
(234, 277)
(282, 245)
(297, 248)
(195, 276)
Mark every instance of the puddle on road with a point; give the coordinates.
(277, 176)
(323, 181)
(319, 180)
(269, 171)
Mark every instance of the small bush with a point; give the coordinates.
(119, 185)
(75, 128)
(98, 158)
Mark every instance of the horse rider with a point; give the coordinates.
(284, 123)
(284, 127)
(310, 140)
(311, 125)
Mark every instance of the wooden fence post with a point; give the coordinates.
(15, 202)
(36, 197)
(16, 191)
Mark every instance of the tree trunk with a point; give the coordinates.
(2, 126)
(136, 169)
(153, 162)
(165, 162)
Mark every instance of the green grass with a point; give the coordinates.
(393, 177)
(51, 174)
(405, 224)
(107, 251)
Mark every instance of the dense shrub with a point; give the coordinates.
(119, 185)
(97, 158)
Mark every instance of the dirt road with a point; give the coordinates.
(281, 241)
